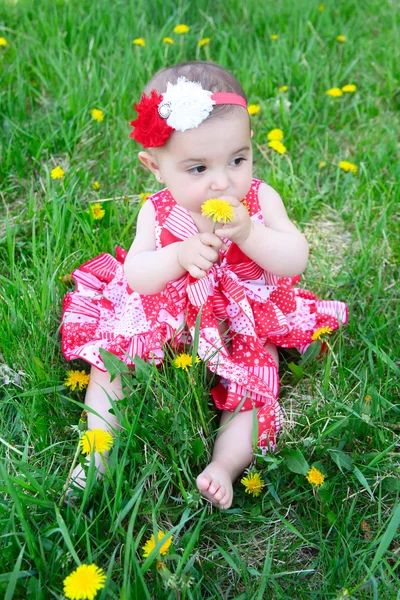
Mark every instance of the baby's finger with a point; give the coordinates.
(196, 272)
(210, 239)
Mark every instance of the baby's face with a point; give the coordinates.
(212, 160)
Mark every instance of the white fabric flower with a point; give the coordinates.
(185, 105)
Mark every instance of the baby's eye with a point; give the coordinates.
(197, 170)
(238, 161)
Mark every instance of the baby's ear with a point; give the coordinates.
(149, 161)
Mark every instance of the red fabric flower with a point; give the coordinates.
(151, 130)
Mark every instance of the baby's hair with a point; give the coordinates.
(212, 77)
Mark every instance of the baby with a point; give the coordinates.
(236, 278)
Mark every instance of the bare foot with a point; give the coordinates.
(215, 484)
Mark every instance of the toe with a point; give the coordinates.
(203, 481)
(220, 493)
(214, 486)
(226, 501)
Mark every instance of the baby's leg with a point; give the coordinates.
(97, 399)
(233, 452)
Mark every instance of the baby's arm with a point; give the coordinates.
(149, 270)
(278, 246)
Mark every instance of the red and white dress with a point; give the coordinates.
(258, 307)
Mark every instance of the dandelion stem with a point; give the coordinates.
(66, 484)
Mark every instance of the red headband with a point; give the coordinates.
(183, 106)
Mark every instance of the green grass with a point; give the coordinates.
(65, 58)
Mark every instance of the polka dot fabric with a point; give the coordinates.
(255, 306)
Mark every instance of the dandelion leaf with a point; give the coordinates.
(296, 462)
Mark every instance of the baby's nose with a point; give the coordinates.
(220, 182)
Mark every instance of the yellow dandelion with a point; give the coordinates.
(139, 42)
(168, 40)
(253, 484)
(204, 42)
(283, 88)
(143, 197)
(97, 114)
(151, 544)
(181, 28)
(57, 173)
(321, 164)
(320, 332)
(96, 440)
(315, 477)
(218, 210)
(96, 186)
(277, 146)
(84, 582)
(253, 109)
(183, 361)
(349, 88)
(321, 8)
(367, 398)
(77, 379)
(66, 279)
(97, 211)
(274, 36)
(334, 92)
(3, 42)
(348, 166)
(341, 38)
(275, 135)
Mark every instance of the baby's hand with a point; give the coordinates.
(199, 252)
(237, 230)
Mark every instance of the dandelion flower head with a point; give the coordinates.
(349, 88)
(321, 164)
(168, 40)
(143, 197)
(97, 115)
(283, 88)
(334, 92)
(3, 42)
(253, 484)
(96, 440)
(77, 379)
(274, 36)
(277, 146)
(218, 210)
(315, 477)
(320, 332)
(151, 544)
(275, 135)
(348, 166)
(204, 42)
(253, 109)
(367, 398)
(321, 8)
(84, 582)
(183, 361)
(341, 38)
(181, 28)
(139, 42)
(57, 173)
(97, 211)
(96, 186)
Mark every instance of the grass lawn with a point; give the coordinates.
(60, 60)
